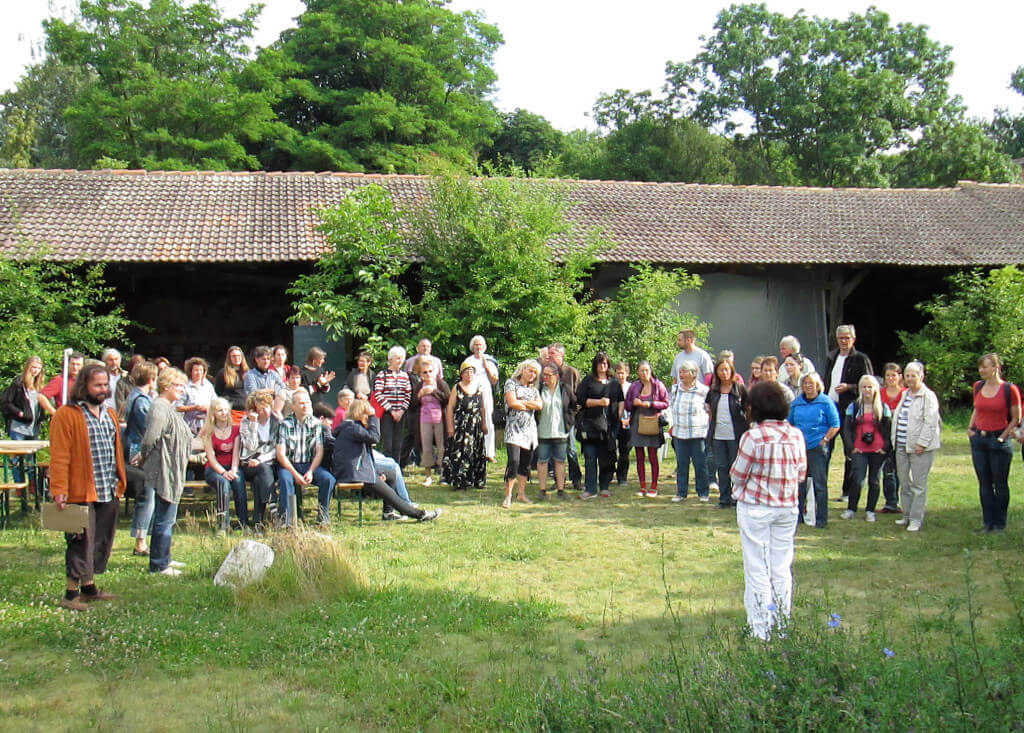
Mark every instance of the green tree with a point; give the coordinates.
(355, 289)
(48, 306)
(981, 312)
(650, 149)
(1006, 129)
(382, 85)
(526, 140)
(171, 86)
(642, 320)
(33, 130)
(835, 94)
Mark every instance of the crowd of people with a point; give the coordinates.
(763, 442)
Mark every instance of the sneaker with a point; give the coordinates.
(605, 492)
(902, 521)
(391, 516)
(677, 499)
(869, 516)
(176, 564)
(542, 496)
(704, 499)
(563, 496)
(74, 604)
(914, 526)
(713, 486)
(430, 516)
(587, 495)
(844, 497)
(99, 595)
(173, 572)
(428, 481)
(652, 493)
(848, 514)
(642, 492)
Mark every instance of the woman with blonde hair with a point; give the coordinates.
(221, 441)
(165, 449)
(521, 400)
(230, 382)
(867, 427)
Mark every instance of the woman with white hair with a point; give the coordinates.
(486, 375)
(521, 400)
(916, 431)
(392, 390)
(790, 345)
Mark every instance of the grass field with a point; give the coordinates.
(604, 615)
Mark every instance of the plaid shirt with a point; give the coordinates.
(102, 430)
(770, 463)
(300, 439)
(689, 416)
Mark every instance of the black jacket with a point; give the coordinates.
(15, 404)
(737, 399)
(857, 364)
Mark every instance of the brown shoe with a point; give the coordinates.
(74, 604)
(101, 595)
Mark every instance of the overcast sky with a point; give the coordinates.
(559, 55)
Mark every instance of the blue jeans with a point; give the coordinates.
(599, 466)
(687, 450)
(223, 487)
(992, 465)
(724, 454)
(871, 465)
(286, 487)
(389, 466)
(573, 472)
(165, 515)
(142, 517)
(817, 472)
(890, 483)
(17, 462)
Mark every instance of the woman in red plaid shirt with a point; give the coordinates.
(771, 461)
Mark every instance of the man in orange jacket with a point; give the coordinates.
(87, 468)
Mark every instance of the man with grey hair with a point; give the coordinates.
(843, 370)
(111, 359)
(691, 352)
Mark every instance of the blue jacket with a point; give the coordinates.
(136, 411)
(814, 418)
(352, 460)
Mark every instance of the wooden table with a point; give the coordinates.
(27, 449)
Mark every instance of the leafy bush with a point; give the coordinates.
(982, 312)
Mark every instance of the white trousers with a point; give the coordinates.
(913, 470)
(768, 537)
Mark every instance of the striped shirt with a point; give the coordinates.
(393, 390)
(689, 414)
(771, 461)
(255, 380)
(102, 430)
(902, 419)
(300, 439)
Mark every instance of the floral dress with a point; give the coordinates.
(465, 463)
(520, 425)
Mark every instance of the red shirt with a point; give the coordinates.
(990, 413)
(54, 389)
(224, 447)
(866, 424)
(893, 402)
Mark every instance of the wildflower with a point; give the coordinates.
(834, 619)
(772, 607)
(888, 652)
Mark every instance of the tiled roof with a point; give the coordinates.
(126, 216)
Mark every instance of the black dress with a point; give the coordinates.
(465, 463)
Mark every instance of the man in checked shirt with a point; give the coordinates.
(300, 449)
(87, 468)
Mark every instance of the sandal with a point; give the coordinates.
(507, 502)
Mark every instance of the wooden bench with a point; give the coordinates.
(350, 488)
(5, 497)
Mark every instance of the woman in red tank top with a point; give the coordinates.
(995, 417)
(220, 437)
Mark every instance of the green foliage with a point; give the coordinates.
(355, 289)
(383, 86)
(982, 312)
(167, 85)
(643, 319)
(525, 140)
(834, 93)
(487, 267)
(1006, 129)
(650, 149)
(47, 306)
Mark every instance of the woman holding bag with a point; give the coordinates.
(646, 398)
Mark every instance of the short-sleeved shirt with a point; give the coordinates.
(689, 415)
(300, 438)
(520, 427)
